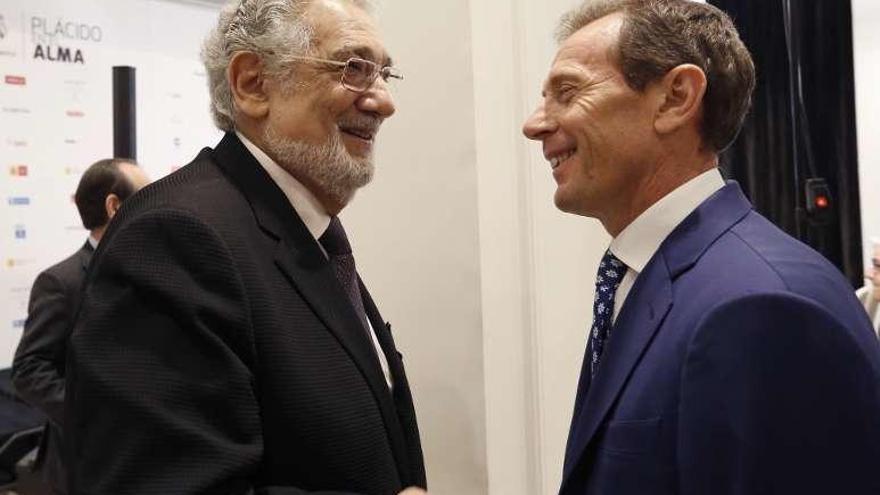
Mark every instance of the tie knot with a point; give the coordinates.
(334, 240)
(611, 270)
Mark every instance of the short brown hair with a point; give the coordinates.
(659, 35)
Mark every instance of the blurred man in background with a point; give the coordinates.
(38, 371)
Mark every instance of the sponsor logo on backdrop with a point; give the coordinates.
(75, 114)
(55, 40)
(16, 110)
(18, 170)
(20, 232)
(18, 201)
(70, 141)
(16, 143)
(19, 323)
(5, 39)
(75, 89)
(19, 262)
(16, 80)
(20, 293)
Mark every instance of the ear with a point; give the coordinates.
(111, 205)
(246, 81)
(682, 90)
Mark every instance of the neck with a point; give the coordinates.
(98, 232)
(664, 178)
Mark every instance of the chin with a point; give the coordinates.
(572, 204)
(564, 203)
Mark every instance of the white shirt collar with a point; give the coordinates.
(638, 242)
(93, 242)
(307, 206)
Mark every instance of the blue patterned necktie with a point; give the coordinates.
(611, 272)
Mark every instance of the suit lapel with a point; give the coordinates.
(409, 441)
(643, 312)
(300, 259)
(638, 321)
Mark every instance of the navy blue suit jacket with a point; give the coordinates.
(741, 363)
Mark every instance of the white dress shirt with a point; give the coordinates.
(637, 243)
(313, 215)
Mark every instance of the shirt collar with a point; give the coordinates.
(93, 242)
(307, 206)
(638, 242)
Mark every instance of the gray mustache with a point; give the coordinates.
(362, 123)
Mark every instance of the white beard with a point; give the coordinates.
(328, 166)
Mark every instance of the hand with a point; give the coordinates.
(413, 490)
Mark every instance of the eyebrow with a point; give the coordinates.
(363, 52)
(557, 79)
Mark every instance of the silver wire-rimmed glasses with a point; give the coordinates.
(358, 74)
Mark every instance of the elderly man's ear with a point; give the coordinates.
(248, 85)
(680, 95)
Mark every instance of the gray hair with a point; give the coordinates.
(658, 35)
(273, 29)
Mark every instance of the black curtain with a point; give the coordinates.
(762, 159)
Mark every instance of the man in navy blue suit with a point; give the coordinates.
(724, 356)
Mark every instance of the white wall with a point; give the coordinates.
(415, 232)
(538, 264)
(866, 56)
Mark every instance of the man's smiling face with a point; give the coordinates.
(319, 131)
(594, 128)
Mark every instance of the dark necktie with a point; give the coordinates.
(611, 272)
(338, 249)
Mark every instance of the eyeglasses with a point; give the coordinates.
(358, 74)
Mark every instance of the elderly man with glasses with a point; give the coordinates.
(225, 342)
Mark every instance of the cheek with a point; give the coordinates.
(338, 102)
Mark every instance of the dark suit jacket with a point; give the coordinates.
(38, 367)
(740, 364)
(215, 352)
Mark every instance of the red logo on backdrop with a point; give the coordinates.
(76, 113)
(16, 80)
(18, 170)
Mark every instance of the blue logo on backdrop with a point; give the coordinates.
(18, 323)
(20, 232)
(19, 201)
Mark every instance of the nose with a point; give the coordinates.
(377, 100)
(538, 126)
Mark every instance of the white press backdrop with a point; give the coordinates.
(56, 118)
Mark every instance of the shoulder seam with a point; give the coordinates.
(762, 258)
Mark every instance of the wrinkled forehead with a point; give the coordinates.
(343, 30)
(589, 50)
